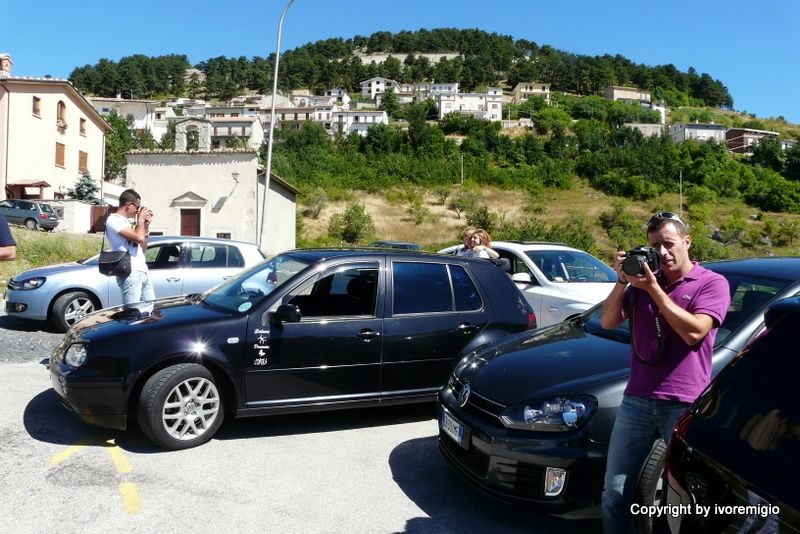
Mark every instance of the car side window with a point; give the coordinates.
(208, 256)
(6, 204)
(163, 256)
(466, 294)
(349, 290)
(235, 258)
(517, 263)
(421, 288)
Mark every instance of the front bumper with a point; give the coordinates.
(510, 465)
(34, 303)
(97, 402)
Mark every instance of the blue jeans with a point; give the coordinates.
(135, 287)
(640, 421)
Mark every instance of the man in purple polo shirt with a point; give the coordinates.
(675, 316)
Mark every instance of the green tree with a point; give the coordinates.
(353, 226)
(85, 188)
(389, 103)
(118, 141)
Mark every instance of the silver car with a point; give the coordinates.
(66, 292)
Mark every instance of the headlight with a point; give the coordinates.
(558, 414)
(75, 355)
(30, 283)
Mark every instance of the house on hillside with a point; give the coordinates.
(49, 135)
(348, 121)
(743, 140)
(627, 94)
(697, 132)
(375, 86)
(215, 193)
(487, 106)
(646, 129)
(525, 90)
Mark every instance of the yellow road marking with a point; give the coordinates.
(118, 457)
(130, 498)
(129, 491)
(63, 455)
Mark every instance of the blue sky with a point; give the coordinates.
(752, 47)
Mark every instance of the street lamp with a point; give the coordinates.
(271, 127)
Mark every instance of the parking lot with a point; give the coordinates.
(375, 470)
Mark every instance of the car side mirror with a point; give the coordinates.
(286, 313)
(522, 278)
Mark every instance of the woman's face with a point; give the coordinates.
(472, 240)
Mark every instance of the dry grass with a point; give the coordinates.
(392, 222)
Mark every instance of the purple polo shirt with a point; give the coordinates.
(685, 370)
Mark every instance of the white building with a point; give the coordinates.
(375, 86)
(525, 90)
(339, 97)
(698, 132)
(487, 106)
(49, 135)
(627, 94)
(359, 121)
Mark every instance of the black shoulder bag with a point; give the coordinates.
(114, 262)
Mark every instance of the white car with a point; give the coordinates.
(558, 281)
(179, 265)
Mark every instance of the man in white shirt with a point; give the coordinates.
(127, 229)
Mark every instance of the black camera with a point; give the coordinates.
(634, 261)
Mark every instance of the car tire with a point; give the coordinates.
(649, 488)
(70, 308)
(31, 224)
(180, 407)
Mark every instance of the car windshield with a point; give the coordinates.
(749, 296)
(571, 266)
(248, 289)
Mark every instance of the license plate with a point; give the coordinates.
(453, 428)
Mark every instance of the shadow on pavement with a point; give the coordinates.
(26, 325)
(453, 506)
(47, 420)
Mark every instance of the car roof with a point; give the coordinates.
(784, 267)
(158, 238)
(318, 254)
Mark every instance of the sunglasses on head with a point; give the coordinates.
(665, 216)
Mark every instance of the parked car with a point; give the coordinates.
(29, 213)
(307, 330)
(66, 292)
(529, 418)
(735, 452)
(395, 244)
(558, 281)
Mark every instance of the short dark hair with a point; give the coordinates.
(129, 195)
(660, 219)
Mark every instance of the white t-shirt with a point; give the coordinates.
(115, 223)
(469, 253)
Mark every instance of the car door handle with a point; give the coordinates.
(551, 309)
(173, 279)
(466, 328)
(228, 277)
(368, 335)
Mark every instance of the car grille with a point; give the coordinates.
(470, 459)
(478, 405)
(520, 479)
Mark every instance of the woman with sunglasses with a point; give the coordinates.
(675, 313)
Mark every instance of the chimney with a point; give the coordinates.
(5, 65)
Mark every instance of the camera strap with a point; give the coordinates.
(662, 345)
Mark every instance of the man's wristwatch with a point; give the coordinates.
(620, 281)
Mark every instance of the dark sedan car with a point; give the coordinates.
(529, 418)
(732, 463)
(307, 330)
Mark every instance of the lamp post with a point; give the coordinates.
(265, 201)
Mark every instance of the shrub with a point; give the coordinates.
(353, 226)
(315, 202)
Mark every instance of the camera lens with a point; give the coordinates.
(633, 264)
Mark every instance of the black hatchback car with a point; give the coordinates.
(734, 458)
(307, 330)
(529, 418)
